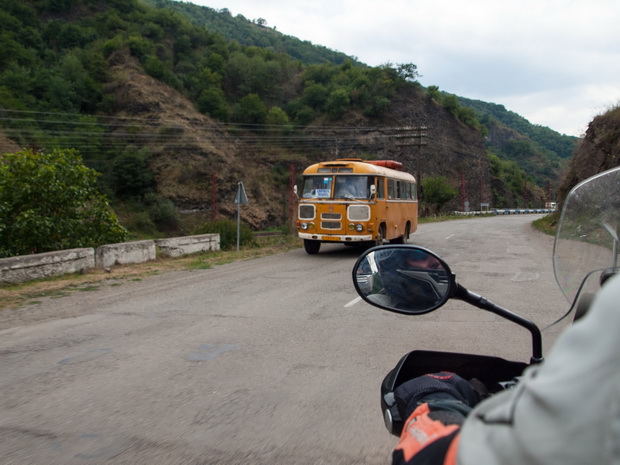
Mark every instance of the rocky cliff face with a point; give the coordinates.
(426, 138)
(197, 162)
(599, 151)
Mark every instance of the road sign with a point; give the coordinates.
(241, 198)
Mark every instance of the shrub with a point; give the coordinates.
(50, 201)
(227, 229)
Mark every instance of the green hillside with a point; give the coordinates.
(541, 152)
(255, 32)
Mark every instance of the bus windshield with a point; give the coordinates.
(345, 187)
(317, 187)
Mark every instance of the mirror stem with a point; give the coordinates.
(480, 302)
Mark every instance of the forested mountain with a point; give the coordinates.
(255, 32)
(540, 151)
(174, 111)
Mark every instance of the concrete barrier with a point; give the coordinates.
(125, 253)
(15, 270)
(178, 246)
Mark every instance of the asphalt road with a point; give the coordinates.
(267, 361)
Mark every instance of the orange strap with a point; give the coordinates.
(420, 431)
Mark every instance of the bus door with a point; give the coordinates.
(394, 212)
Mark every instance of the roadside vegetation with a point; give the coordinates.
(548, 223)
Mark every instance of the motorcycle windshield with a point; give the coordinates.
(586, 243)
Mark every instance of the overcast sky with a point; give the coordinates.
(554, 62)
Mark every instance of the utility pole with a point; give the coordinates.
(463, 193)
(213, 197)
(240, 199)
(292, 193)
(418, 134)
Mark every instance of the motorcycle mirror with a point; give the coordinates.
(403, 278)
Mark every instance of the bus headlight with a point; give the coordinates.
(359, 227)
(304, 225)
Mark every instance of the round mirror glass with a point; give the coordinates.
(403, 279)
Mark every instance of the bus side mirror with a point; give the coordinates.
(295, 190)
(373, 190)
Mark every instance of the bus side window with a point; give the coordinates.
(406, 190)
(380, 188)
(391, 189)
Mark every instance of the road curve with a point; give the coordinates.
(272, 360)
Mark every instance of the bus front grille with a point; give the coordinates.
(331, 225)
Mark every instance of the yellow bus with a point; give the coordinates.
(356, 202)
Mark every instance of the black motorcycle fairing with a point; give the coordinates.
(492, 372)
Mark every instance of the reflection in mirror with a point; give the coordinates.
(404, 279)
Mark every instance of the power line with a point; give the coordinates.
(150, 122)
(118, 132)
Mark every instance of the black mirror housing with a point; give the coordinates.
(403, 279)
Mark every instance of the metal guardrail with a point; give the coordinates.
(507, 211)
(522, 211)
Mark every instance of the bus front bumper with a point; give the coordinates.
(335, 237)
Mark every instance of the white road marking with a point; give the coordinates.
(353, 302)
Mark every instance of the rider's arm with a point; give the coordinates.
(566, 410)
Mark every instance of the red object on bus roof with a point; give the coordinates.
(395, 165)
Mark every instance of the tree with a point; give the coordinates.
(433, 92)
(407, 71)
(131, 175)
(437, 191)
(337, 102)
(278, 120)
(315, 96)
(49, 201)
(212, 102)
(250, 110)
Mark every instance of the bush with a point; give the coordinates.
(227, 229)
(165, 215)
(437, 191)
(50, 201)
(141, 225)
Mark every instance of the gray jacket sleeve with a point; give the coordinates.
(567, 410)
